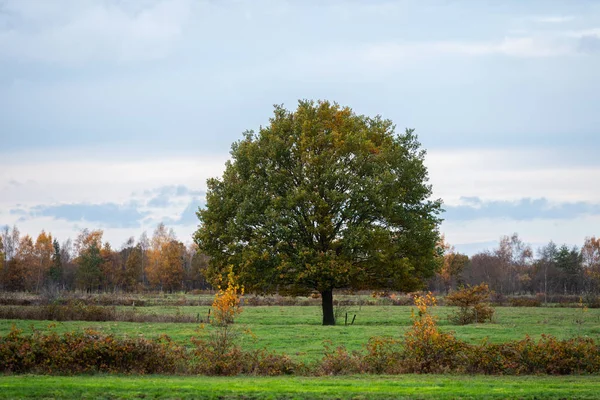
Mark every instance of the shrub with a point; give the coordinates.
(497, 299)
(79, 311)
(261, 362)
(524, 302)
(227, 302)
(426, 349)
(338, 361)
(472, 303)
(88, 351)
(592, 300)
(546, 356)
(218, 353)
(384, 356)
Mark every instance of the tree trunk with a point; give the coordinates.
(327, 303)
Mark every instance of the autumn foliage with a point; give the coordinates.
(424, 349)
(88, 351)
(472, 303)
(227, 301)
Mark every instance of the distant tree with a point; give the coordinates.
(165, 267)
(13, 274)
(26, 262)
(454, 263)
(2, 263)
(144, 244)
(56, 269)
(452, 268)
(13, 277)
(198, 267)
(485, 267)
(111, 267)
(590, 257)
(568, 260)
(89, 274)
(545, 270)
(133, 268)
(516, 260)
(322, 199)
(89, 260)
(43, 253)
(69, 266)
(10, 241)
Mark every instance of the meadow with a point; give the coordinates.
(296, 330)
(348, 387)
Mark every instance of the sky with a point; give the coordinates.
(113, 113)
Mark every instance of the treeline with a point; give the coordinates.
(160, 263)
(513, 268)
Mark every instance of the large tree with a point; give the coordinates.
(320, 199)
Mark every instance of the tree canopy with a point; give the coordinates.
(321, 199)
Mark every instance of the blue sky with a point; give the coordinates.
(114, 113)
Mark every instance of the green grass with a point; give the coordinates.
(353, 387)
(297, 331)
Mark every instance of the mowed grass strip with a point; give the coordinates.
(250, 387)
(296, 330)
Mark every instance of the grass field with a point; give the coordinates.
(353, 387)
(297, 331)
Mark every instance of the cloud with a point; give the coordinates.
(512, 46)
(583, 33)
(523, 209)
(159, 201)
(589, 44)
(79, 31)
(111, 215)
(475, 247)
(188, 216)
(552, 19)
(84, 176)
(511, 174)
(19, 211)
(170, 195)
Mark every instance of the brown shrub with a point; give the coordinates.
(384, 356)
(77, 311)
(338, 361)
(89, 351)
(472, 303)
(218, 353)
(524, 302)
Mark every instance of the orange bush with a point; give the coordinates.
(227, 302)
(88, 351)
(473, 304)
(426, 348)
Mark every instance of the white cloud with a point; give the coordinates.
(95, 177)
(552, 19)
(512, 174)
(522, 47)
(76, 32)
(502, 174)
(583, 33)
(537, 232)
